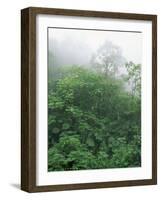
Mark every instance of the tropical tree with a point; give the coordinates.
(108, 59)
(134, 77)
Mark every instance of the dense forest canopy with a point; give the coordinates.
(94, 117)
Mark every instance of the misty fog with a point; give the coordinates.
(87, 47)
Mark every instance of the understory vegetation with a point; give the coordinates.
(94, 119)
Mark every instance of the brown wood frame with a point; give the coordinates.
(28, 98)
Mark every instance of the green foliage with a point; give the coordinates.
(134, 77)
(93, 122)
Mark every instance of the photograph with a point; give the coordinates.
(94, 98)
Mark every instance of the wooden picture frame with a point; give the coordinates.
(28, 98)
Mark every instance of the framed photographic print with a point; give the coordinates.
(89, 99)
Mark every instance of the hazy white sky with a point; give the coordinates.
(130, 42)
